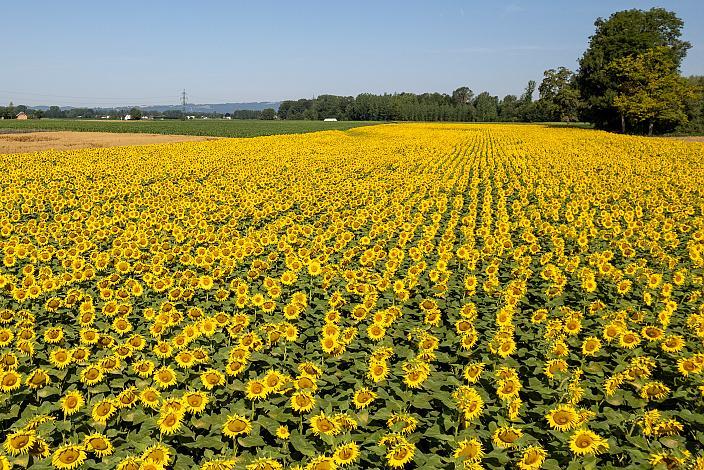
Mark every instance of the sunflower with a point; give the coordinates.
(672, 343)
(414, 377)
(274, 381)
(150, 465)
(363, 398)
(508, 388)
(54, 335)
(235, 367)
(173, 404)
(506, 436)
(687, 366)
(219, 464)
(470, 450)
(591, 346)
(402, 423)
(469, 402)
(629, 339)
(322, 462)
(623, 286)
(40, 449)
(310, 369)
(376, 332)
(79, 355)
(72, 402)
(652, 333)
(612, 331)
(19, 442)
(314, 268)
(378, 371)
(324, 424)
(60, 358)
(265, 464)
(282, 432)
(126, 398)
(400, 455)
(306, 383)
(212, 378)
(532, 458)
(143, 368)
(290, 333)
(302, 402)
(654, 391)
(92, 375)
(163, 350)
(473, 371)
(165, 377)
(563, 418)
(346, 454)
(586, 442)
(98, 444)
(68, 456)
(129, 463)
(256, 390)
(555, 366)
(103, 411)
(9, 381)
(506, 348)
(150, 397)
(170, 422)
(329, 344)
(195, 402)
(158, 453)
(37, 379)
(236, 425)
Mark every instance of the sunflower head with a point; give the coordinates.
(68, 456)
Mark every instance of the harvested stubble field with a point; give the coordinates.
(22, 142)
(418, 296)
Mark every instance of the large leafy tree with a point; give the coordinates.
(650, 91)
(624, 34)
(487, 107)
(462, 95)
(559, 97)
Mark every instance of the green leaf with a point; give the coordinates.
(301, 444)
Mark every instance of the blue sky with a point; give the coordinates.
(88, 53)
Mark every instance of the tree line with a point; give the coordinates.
(55, 112)
(461, 105)
(628, 80)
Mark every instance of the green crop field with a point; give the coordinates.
(207, 127)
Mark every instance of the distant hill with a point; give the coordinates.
(221, 108)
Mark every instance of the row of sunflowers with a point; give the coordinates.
(429, 296)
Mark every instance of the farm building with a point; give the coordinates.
(330, 120)
(22, 116)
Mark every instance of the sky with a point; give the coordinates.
(88, 53)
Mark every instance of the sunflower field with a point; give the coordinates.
(429, 296)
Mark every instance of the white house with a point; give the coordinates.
(128, 117)
(330, 120)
